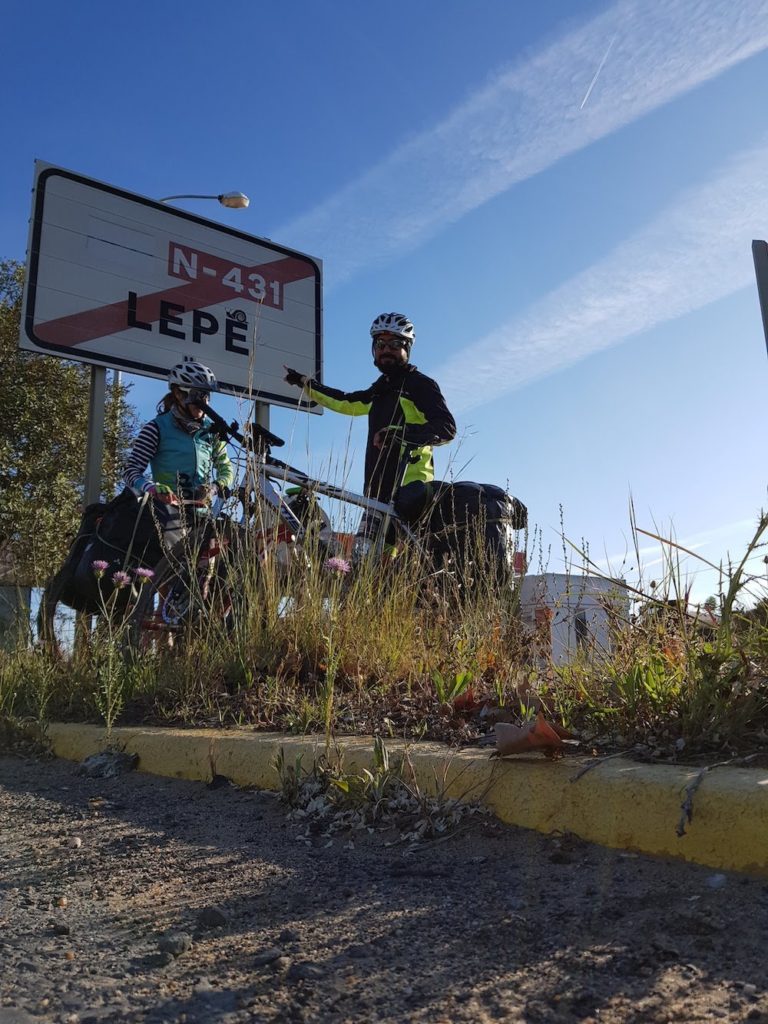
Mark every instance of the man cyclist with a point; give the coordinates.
(404, 407)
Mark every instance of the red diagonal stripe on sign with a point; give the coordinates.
(77, 328)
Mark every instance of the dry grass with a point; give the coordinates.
(388, 649)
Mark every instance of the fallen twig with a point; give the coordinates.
(686, 807)
(601, 760)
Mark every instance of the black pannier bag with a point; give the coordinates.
(457, 516)
(126, 536)
(68, 593)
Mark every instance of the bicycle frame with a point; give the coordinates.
(262, 467)
(377, 515)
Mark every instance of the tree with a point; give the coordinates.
(43, 425)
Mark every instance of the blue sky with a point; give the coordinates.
(562, 203)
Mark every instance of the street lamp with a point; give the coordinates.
(234, 200)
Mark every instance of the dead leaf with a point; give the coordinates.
(534, 735)
(563, 733)
(465, 701)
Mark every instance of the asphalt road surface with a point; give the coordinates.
(155, 900)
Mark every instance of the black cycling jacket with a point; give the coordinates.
(404, 399)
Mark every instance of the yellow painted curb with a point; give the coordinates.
(619, 804)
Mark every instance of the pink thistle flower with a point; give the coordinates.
(99, 567)
(121, 579)
(337, 565)
(144, 575)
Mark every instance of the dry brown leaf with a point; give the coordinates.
(517, 739)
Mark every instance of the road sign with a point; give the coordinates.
(119, 280)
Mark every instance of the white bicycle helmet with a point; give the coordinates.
(394, 323)
(191, 374)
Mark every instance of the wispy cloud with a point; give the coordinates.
(693, 253)
(677, 572)
(526, 119)
(709, 543)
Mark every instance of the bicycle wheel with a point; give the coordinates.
(192, 587)
(57, 623)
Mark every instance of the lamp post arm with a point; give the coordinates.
(167, 199)
(232, 200)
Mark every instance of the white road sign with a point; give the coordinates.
(119, 280)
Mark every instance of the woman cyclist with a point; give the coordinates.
(187, 459)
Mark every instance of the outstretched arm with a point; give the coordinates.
(350, 403)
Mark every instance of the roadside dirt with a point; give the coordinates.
(139, 899)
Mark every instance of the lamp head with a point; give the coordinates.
(234, 200)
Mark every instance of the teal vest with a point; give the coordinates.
(183, 461)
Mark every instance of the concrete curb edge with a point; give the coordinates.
(620, 803)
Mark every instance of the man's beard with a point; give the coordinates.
(387, 364)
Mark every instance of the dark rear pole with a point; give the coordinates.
(760, 256)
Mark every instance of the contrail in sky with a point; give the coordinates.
(523, 121)
(692, 253)
(597, 73)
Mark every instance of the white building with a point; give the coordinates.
(569, 612)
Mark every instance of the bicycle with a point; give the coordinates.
(200, 577)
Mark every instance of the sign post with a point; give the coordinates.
(94, 449)
(261, 414)
(760, 257)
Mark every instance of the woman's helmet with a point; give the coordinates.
(395, 323)
(191, 374)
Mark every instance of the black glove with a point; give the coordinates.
(388, 437)
(294, 377)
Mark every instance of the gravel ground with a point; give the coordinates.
(152, 900)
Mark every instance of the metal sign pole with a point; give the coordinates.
(94, 452)
(261, 413)
(760, 257)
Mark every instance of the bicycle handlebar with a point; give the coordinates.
(264, 439)
(225, 430)
(261, 436)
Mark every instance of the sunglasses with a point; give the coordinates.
(391, 343)
(196, 395)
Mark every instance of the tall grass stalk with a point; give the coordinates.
(276, 640)
(675, 676)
